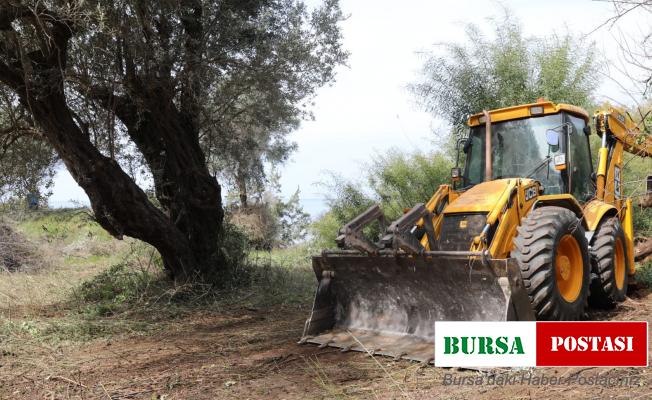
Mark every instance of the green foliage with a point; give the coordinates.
(235, 246)
(114, 288)
(396, 180)
(293, 222)
(27, 167)
(644, 275)
(346, 199)
(27, 162)
(324, 230)
(61, 225)
(296, 51)
(636, 171)
(401, 180)
(567, 70)
(505, 70)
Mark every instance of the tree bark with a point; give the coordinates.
(122, 208)
(242, 187)
(183, 184)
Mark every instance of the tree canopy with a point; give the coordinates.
(506, 69)
(27, 161)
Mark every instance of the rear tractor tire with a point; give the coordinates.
(552, 253)
(608, 265)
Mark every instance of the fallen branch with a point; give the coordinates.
(63, 378)
(642, 250)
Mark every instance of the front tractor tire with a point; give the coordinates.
(552, 253)
(609, 265)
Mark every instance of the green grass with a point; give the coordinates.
(62, 226)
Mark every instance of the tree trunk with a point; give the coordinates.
(642, 250)
(122, 208)
(190, 196)
(242, 187)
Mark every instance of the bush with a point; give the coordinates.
(400, 179)
(644, 275)
(116, 288)
(636, 171)
(509, 68)
(257, 223)
(396, 180)
(235, 246)
(324, 230)
(271, 222)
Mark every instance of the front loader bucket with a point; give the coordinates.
(388, 304)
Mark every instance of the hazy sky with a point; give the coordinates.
(368, 108)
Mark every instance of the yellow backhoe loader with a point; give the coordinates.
(527, 230)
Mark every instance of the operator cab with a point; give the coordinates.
(541, 141)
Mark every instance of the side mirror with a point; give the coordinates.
(467, 145)
(587, 130)
(552, 137)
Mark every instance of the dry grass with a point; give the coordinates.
(98, 322)
(54, 266)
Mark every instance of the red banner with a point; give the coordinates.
(587, 344)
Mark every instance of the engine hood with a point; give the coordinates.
(482, 197)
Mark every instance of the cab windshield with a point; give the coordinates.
(519, 149)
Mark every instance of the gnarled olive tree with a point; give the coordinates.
(97, 75)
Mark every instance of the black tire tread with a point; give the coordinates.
(534, 247)
(604, 292)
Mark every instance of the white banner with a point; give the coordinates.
(485, 344)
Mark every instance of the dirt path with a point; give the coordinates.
(249, 353)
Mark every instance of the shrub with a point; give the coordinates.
(644, 275)
(119, 286)
(396, 180)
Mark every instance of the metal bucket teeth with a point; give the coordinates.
(388, 305)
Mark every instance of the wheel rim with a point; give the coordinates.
(619, 264)
(569, 268)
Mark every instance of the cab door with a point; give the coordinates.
(580, 164)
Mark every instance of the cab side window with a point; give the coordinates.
(580, 172)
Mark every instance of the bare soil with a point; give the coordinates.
(252, 353)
